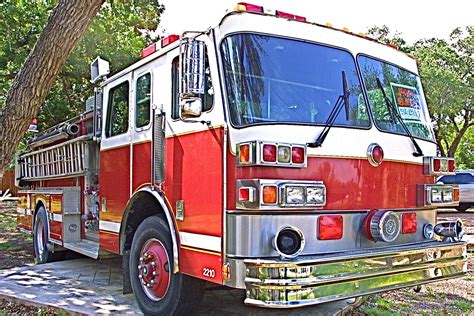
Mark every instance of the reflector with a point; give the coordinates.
(269, 194)
(297, 154)
(244, 153)
(451, 165)
(269, 153)
(408, 223)
(330, 227)
(436, 165)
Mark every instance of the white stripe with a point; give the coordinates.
(200, 241)
(109, 226)
(57, 217)
(28, 212)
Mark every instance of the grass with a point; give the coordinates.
(463, 305)
(380, 307)
(9, 246)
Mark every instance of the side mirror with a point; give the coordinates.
(190, 107)
(192, 76)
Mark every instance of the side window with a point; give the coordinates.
(143, 100)
(464, 178)
(117, 113)
(451, 179)
(207, 98)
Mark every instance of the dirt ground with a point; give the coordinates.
(16, 248)
(454, 297)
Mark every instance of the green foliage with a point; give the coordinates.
(446, 69)
(384, 35)
(118, 33)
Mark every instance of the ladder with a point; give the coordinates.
(62, 160)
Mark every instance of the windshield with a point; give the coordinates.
(403, 89)
(277, 80)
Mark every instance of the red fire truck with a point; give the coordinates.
(288, 158)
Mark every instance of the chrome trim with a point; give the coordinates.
(377, 226)
(297, 231)
(428, 166)
(251, 235)
(318, 279)
(252, 154)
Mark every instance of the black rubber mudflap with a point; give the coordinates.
(127, 286)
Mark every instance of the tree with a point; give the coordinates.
(446, 68)
(68, 21)
(384, 35)
(130, 23)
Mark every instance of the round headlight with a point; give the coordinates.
(382, 226)
(289, 242)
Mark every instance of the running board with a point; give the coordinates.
(85, 247)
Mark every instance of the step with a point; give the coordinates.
(85, 247)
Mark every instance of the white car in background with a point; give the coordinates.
(465, 180)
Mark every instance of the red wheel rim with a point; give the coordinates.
(154, 269)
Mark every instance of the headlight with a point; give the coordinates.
(436, 195)
(284, 154)
(294, 195)
(315, 195)
(447, 196)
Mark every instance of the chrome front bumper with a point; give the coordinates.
(318, 279)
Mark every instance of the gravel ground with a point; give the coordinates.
(454, 297)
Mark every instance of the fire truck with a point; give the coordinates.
(288, 158)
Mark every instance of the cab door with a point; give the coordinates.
(115, 148)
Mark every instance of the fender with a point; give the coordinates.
(169, 218)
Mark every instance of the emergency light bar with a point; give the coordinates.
(248, 7)
(165, 41)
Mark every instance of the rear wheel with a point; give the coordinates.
(156, 288)
(40, 236)
(462, 208)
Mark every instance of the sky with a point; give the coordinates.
(414, 19)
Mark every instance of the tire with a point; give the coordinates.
(462, 208)
(151, 261)
(40, 237)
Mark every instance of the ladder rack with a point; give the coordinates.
(67, 159)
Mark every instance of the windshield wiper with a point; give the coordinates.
(393, 112)
(343, 99)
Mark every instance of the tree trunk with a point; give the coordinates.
(67, 23)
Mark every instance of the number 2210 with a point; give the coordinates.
(209, 272)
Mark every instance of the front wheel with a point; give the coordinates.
(40, 236)
(157, 289)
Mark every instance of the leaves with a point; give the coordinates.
(446, 70)
(119, 32)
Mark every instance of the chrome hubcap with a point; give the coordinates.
(40, 237)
